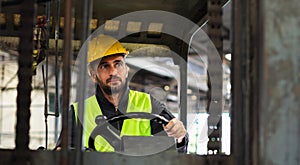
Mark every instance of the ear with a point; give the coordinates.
(93, 75)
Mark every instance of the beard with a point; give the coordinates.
(110, 90)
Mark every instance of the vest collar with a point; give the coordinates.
(106, 105)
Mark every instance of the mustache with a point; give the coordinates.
(113, 77)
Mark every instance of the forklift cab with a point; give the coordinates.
(158, 62)
(171, 55)
(40, 41)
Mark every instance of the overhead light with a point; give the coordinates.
(155, 29)
(133, 27)
(2, 19)
(111, 25)
(62, 22)
(167, 88)
(228, 56)
(94, 24)
(17, 19)
(194, 97)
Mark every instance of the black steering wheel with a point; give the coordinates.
(111, 134)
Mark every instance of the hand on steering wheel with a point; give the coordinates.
(112, 135)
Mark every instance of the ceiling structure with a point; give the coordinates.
(103, 12)
(112, 12)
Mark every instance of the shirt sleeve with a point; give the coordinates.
(71, 131)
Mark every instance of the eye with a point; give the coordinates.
(119, 64)
(103, 66)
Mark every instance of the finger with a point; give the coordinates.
(172, 131)
(176, 133)
(177, 130)
(169, 125)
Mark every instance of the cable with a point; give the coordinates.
(56, 59)
(45, 108)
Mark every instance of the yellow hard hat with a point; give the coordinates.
(104, 45)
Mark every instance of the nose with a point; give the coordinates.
(112, 70)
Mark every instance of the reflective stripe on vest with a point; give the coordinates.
(137, 102)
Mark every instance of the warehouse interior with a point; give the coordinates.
(228, 69)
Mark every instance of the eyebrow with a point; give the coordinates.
(115, 61)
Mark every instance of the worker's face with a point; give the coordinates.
(111, 74)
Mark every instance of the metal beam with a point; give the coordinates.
(67, 58)
(24, 85)
(238, 81)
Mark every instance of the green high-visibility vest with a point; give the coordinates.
(137, 102)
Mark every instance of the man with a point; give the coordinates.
(108, 70)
